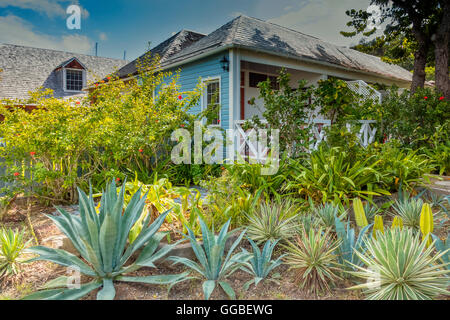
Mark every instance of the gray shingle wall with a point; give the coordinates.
(26, 69)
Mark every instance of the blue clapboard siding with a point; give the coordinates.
(189, 75)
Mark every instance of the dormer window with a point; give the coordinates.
(73, 75)
(74, 80)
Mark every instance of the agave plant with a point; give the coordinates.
(327, 213)
(399, 266)
(272, 222)
(409, 210)
(12, 246)
(350, 243)
(261, 263)
(443, 247)
(213, 266)
(101, 240)
(313, 256)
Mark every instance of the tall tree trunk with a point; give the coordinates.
(420, 61)
(441, 52)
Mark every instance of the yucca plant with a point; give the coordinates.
(399, 266)
(313, 256)
(213, 265)
(12, 246)
(272, 221)
(409, 210)
(326, 214)
(101, 240)
(261, 263)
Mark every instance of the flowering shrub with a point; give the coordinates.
(118, 128)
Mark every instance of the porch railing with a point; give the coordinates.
(248, 146)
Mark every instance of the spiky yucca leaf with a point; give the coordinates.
(272, 221)
(12, 246)
(101, 239)
(409, 210)
(399, 266)
(313, 256)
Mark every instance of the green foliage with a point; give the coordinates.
(227, 200)
(120, 127)
(313, 256)
(401, 166)
(272, 221)
(213, 266)
(399, 266)
(330, 176)
(101, 240)
(339, 103)
(261, 264)
(12, 246)
(287, 110)
(413, 119)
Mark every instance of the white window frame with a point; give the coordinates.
(205, 96)
(83, 74)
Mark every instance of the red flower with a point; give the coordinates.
(16, 174)
(182, 126)
(118, 179)
(78, 102)
(141, 150)
(96, 84)
(109, 78)
(441, 99)
(218, 121)
(180, 97)
(32, 153)
(426, 98)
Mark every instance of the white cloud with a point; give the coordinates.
(51, 8)
(323, 19)
(15, 30)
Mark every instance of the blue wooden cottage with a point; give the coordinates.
(237, 56)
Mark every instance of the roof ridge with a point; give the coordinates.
(55, 50)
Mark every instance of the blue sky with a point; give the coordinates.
(129, 25)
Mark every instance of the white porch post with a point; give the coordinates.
(234, 90)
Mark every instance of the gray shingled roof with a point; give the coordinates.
(27, 68)
(165, 50)
(254, 34)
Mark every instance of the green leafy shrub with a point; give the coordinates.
(101, 240)
(313, 256)
(329, 176)
(213, 266)
(261, 264)
(399, 266)
(272, 221)
(118, 129)
(12, 246)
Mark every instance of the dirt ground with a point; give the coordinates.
(35, 275)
